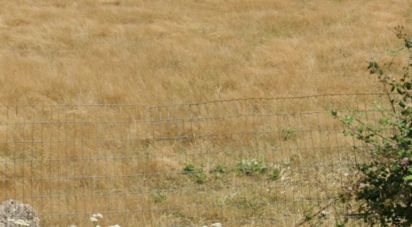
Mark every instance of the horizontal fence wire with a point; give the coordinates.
(189, 164)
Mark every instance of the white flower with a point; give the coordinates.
(324, 213)
(19, 222)
(98, 215)
(115, 225)
(216, 224)
(93, 219)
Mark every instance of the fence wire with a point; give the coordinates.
(180, 165)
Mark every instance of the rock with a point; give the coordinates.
(14, 214)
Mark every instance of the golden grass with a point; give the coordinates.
(176, 51)
(74, 160)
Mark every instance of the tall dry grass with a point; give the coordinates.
(124, 51)
(73, 160)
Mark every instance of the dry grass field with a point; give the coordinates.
(151, 52)
(131, 159)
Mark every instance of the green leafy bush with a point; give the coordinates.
(251, 167)
(219, 169)
(382, 187)
(189, 169)
(197, 174)
(275, 174)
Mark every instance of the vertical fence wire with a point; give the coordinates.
(179, 165)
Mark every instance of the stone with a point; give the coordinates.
(15, 214)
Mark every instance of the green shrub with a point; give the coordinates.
(219, 169)
(275, 174)
(197, 174)
(251, 167)
(382, 187)
(189, 169)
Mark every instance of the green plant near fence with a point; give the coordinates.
(380, 190)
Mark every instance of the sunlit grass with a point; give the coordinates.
(74, 161)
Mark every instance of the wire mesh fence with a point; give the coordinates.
(182, 164)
